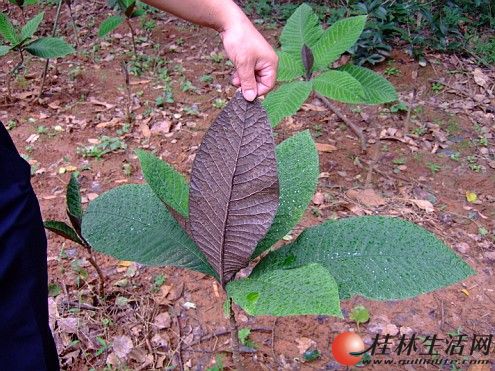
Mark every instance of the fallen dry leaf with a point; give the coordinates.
(325, 147)
(161, 127)
(163, 320)
(303, 344)
(423, 205)
(480, 78)
(97, 102)
(318, 198)
(367, 197)
(122, 346)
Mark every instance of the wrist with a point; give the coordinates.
(232, 16)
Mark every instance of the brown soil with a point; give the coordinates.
(449, 120)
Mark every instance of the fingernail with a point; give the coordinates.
(250, 95)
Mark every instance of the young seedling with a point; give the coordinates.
(21, 42)
(72, 232)
(305, 61)
(245, 195)
(359, 314)
(127, 10)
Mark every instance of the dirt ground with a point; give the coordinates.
(155, 318)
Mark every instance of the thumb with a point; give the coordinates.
(248, 81)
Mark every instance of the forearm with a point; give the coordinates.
(217, 14)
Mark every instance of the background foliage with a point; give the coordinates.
(449, 26)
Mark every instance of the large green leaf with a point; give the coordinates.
(7, 30)
(110, 24)
(31, 26)
(340, 86)
(308, 289)
(290, 66)
(131, 223)
(286, 100)
(64, 230)
(303, 27)
(298, 171)
(49, 47)
(167, 183)
(377, 89)
(342, 35)
(4, 49)
(377, 257)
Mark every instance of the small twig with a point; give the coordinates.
(179, 345)
(128, 89)
(356, 129)
(411, 106)
(54, 33)
(133, 36)
(274, 327)
(75, 304)
(74, 26)
(234, 337)
(372, 165)
(227, 332)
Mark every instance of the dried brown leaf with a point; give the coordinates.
(234, 186)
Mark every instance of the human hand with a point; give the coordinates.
(254, 59)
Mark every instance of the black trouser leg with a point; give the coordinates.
(26, 342)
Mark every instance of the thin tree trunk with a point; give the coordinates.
(54, 33)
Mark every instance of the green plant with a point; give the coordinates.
(436, 87)
(127, 10)
(307, 53)
(359, 314)
(72, 232)
(245, 195)
(21, 41)
(219, 103)
(105, 145)
(434, 167)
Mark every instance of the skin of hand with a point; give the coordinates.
(254, 59)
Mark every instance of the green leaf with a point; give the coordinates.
(7, 30)
(31, 26)
(131, 223)
(4, 49)
(290, 67)
(74, 205)
(378, 257)
(110, 24)
(303, 27)
(64, 230)
(359, 314)
(167, 183)
(337, 39)
(377, 89)
(298, 171)
(137, 13)
(339, 86)
(49, 47)
(308, 289)
(286, 100)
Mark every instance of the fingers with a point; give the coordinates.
(247, 79)
(236, 81)
(266, 78)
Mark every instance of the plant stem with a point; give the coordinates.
(54, 33)
(74, 26)
(356, 129)
(133, 37)
(128, 107)
(234, 336)
(13, 72)
(101, 277)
